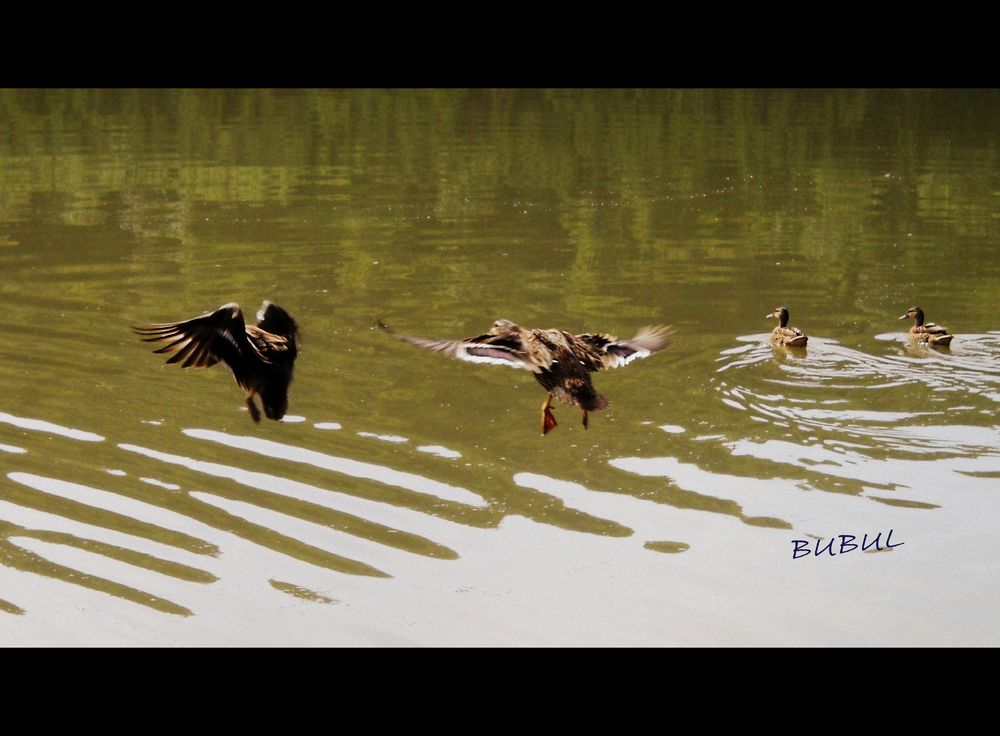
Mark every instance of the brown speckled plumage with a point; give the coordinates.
(560, 361)
(789, 337)
(929, 333)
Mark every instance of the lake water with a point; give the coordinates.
(408, 499)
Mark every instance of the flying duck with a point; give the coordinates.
(261, 356)
(560, 361)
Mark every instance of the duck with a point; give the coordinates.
(559, 360)
(929, 333)
(789, 337)
(261, 356)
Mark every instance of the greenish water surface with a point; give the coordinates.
(439, 212)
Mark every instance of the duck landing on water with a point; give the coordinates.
(561, 362)
(789, 337)
(261, 355)
(929, 333)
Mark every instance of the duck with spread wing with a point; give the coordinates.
(261, 356)
(560, 361)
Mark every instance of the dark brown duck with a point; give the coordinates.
(261, 356)
(560, 361)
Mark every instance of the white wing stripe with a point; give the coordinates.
(617, 361)
(462, 353)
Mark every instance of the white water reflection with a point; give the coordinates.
(827, 363)
(913, 403)
(398, 517)
(161, 484)
(38, 425)
(930, 476)
(135, 574)
(314, 534)
(346, 466)
(102, 500)
(440, 451)
(393, 438)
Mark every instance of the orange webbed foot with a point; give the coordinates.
(548, 421)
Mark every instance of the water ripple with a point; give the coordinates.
(337, 510)
(38, 425)
(347, 466)
(915, 402)
(105, 509)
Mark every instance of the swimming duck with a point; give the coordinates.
(561, 362)
(260, 355)
(791, 337)
(929, 333)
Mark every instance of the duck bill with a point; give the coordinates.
(905, 316)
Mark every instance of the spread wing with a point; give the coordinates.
(490, 349)
(615, 353)
(477, 350)
(205, 340)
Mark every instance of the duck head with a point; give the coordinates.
(914, 313)
(781, 313)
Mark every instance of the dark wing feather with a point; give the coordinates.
(614, 353)
(205, 340)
